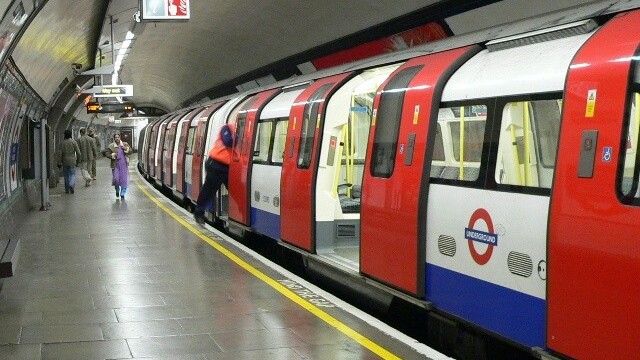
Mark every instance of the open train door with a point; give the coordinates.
(594, 257)
(393, 204)
(242, 156)
(299, 168)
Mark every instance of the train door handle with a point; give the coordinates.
(411, 144)
(587, 153)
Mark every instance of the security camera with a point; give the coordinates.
(76, 66)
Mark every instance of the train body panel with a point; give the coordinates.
(394, 170)
(268, 152)
(167, 149)
(300, 162)
(242, 155)
(265, 199)
(593, 245)
(179, 151)
(486, 259)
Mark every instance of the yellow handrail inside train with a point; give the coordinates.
(527, 144)
(461, 174)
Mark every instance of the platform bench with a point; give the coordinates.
(10, 250)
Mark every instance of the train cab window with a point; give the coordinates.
(528, 143)
(279, 140)
(387, 124)
(459, 142)
(630, 170)
(309, 123)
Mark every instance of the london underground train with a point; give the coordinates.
(491, 177)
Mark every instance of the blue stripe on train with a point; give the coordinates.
(514, 315)
(265, 223)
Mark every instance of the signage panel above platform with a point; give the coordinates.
(163, 10)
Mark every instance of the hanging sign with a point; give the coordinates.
(160, 10)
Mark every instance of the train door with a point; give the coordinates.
(242, 156)
(194, 151)
(167, 150)
(159, 149)
(391, 204)
(177, 150)
(300, 162)
(594, 260)
(151, 148)
(268, 153)
(179, 154)
(345, 135)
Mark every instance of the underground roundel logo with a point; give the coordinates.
(473, 236)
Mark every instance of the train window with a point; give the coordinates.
(387, 124)
(191, 140)
(239, 115)
(279, 141)
(459, 142)
(528, 143)
(263, 141)
(630, 170)
(310, 122)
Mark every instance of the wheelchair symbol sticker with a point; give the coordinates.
(607, 152)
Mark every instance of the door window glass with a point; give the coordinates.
(387, 124)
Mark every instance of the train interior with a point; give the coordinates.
(341, 167)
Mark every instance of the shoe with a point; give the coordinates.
(88, 183)
(93, 178)
(66, 191)
(122, 197)
(71, 190)
(199, 219)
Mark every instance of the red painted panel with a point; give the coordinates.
(151, 153)
(182, 150)
(594, 257)
(391, 249)
(167, 152)
(181, 143)
(242, 159)
(297, 191)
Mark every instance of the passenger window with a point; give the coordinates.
(459, 142)
(629, 179)
(239, 115)
(528, 143)
(309, 123)
(387, 124)
(279, 141)
(263, 140)
(191, 138)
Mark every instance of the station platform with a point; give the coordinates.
(104, 278)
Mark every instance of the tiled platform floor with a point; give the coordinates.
(101, 278)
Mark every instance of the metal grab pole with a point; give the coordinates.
(44, 193)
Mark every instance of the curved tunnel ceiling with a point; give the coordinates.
(170, 63)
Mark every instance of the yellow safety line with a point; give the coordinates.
(361, 339)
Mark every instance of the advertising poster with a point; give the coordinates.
(13, 153)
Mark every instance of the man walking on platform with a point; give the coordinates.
(88, 152)
(217, 169)
(92, 135)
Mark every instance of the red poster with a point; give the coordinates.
(178, 7)
(416, 36)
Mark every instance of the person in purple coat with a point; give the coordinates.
(118, 151)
